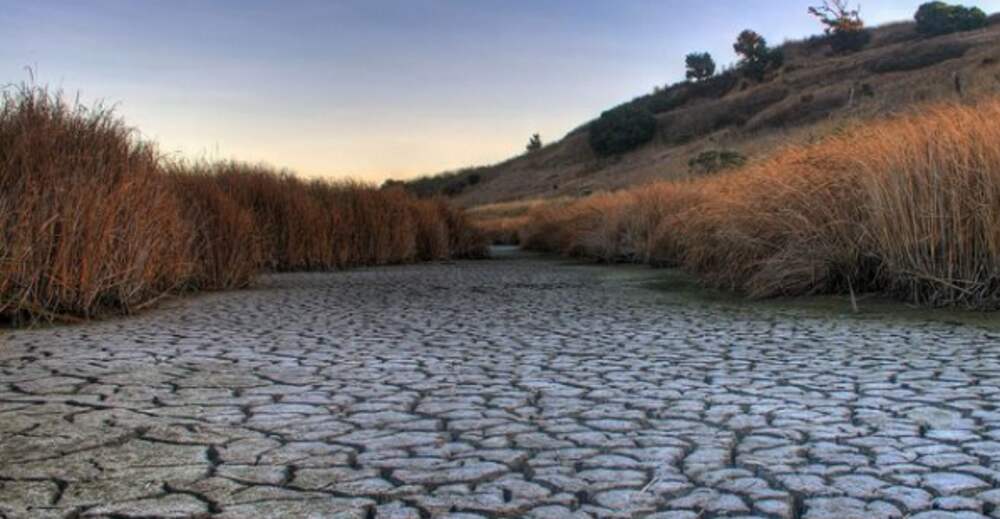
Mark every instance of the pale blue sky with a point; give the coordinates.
(377, 88)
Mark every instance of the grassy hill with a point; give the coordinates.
(815, 93)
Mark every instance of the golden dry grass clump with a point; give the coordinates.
(503, 230)
(226, 245)
(502, 222)
(89, 223)
(907, 206)
(322, 225)
(94, 221)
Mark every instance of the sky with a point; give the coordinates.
(377, 89)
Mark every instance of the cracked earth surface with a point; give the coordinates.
(505, 388)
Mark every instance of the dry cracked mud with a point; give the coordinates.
(508, 388)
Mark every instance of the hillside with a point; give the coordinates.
(814, 93)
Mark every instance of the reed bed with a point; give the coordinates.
(88, 221)
(93, 221)
(907, 206)
(501, 222)
(502, 230)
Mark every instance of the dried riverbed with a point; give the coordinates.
(516, 387)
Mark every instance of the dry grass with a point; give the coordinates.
(502, 231)
(511, 209)
(433, 234)
(89, 223)
(502, 222)
(226, 246)
(908, 206)
(94, 221)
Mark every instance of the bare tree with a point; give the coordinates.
(844, 26)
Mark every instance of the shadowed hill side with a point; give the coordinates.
(813, 93)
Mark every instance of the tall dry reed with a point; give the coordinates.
(907, 206)
(93, 221)
(226, 247)
(88, 222)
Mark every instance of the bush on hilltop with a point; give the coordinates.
(622, 129)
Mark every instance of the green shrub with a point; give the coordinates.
(666, 99)
(936, 18)
(716, 86)
(776, 58)
(679, 94)
(449, 183)
(750, 46)
(454, 188)
(756, 58)
(845, 42)
(534, 144)
(713, 161)
(622, 129)
(700, 66)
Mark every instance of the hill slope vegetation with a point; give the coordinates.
(815, 91)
